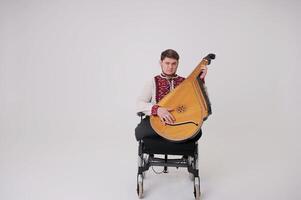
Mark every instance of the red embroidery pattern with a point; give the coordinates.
(163, 85)
(155, 109)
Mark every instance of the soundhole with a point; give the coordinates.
(181, 109)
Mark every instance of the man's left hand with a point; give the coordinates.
(203, 72)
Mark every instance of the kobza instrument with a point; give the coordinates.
(190, 104)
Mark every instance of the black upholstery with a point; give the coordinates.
(158, 145)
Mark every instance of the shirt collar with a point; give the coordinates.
(171, 77)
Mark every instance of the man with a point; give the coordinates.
(155, 90)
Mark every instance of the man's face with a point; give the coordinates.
(169, 66)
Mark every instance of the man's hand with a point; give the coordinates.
(165, 115)
(203, 72)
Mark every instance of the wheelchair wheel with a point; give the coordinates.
(145, 161)
(190, 161)
(197, 191)
(140, 186)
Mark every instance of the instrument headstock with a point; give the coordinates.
(209, 57)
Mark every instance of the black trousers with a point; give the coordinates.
(145, 130)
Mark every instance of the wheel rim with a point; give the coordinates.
(140, 186)
(197, 192)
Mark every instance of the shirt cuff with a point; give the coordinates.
(154, 110)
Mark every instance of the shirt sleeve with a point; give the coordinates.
(144, 101)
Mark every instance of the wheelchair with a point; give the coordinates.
(149, 147)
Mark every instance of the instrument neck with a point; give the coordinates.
(197, 71)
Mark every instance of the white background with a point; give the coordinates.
(70, 72)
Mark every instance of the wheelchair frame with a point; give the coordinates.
(146, 160)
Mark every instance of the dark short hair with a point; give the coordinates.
(170, 53)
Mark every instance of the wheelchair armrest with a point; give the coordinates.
(140, 114)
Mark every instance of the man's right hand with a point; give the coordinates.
(165, 115)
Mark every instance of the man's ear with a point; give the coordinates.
(160, 63)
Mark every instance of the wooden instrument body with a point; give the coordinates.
(191, 106)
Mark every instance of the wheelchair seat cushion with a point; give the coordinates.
(158, 145)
